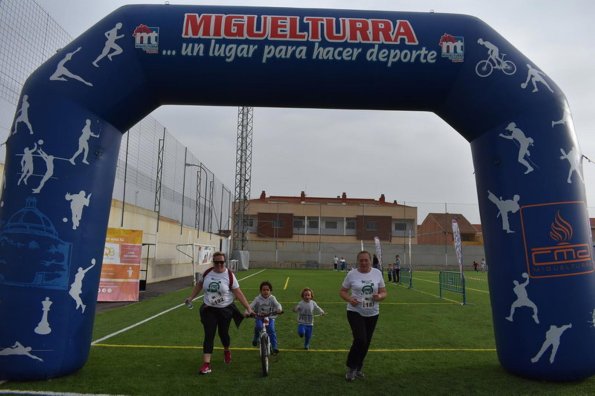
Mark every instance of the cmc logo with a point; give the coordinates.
(453, 47)
(146, 38)
(557, 239)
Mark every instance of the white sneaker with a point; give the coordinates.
(350, 375)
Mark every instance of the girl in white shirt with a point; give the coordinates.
(306, 310)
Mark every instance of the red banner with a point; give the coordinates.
(120, 272)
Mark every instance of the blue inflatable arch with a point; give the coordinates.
(64, 143)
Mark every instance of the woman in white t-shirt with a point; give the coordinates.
(220, 288)
(363, 288)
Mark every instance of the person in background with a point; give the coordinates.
(390, 272)
(220, 287)
(362, 289)
(306, 310)
(397, 270)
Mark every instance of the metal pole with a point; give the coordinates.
(228, 209)
(221, 210)
(125, 174)
(199, 192)
(319, 233)
(404, 232)
(183, 190)
(158, 179)
(212, 187)
(197, 204)
(204, 212)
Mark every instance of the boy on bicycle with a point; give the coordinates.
(265, 305)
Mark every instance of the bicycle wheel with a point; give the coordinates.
(484, 68)
(508, 68)
(264, 354)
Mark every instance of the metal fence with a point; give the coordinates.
(155, 171)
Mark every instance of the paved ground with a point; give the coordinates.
(152, 290)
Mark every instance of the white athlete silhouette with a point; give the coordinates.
(84, 143)
(522, 299)
(27, 164)
(505, 207)
(535, 76)
(49, 171)
(3, 188)
(575, 160)
(77, 203)
(493, 51)
(563, 120)
(76, 288)
(552, 338)
(23, 116)
(63, 74)
(19, 349)
(110, 44)
(523, 141)
(592, 321)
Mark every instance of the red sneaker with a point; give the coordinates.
(227, 357)
(205, 369)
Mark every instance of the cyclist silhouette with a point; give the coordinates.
(494, 61)
(493, 51)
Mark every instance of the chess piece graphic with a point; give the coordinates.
(43, 327)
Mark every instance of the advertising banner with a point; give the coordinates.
(378, 252)
(121, 265)
(456, 235)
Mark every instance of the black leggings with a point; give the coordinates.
(362, 328)
(214, 319)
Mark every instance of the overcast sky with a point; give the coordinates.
(410, 157)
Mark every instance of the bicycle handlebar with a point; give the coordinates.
(255, 315)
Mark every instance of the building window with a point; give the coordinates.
(371, 226)
(313, 223)
(250, 222)
(330, 225)
(350, 224)
(277, 223)
(400, 227)
(298, 223)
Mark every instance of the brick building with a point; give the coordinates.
(329, 220)
(436, 229)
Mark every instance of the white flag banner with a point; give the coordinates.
(378, 251)
(410, 265)
(456, 236)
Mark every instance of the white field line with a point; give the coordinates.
(155, 316)
(44, 393)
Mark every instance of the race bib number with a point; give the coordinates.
(368, 302)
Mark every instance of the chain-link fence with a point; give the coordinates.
(154, 169)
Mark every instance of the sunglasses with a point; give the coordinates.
(219, 262)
